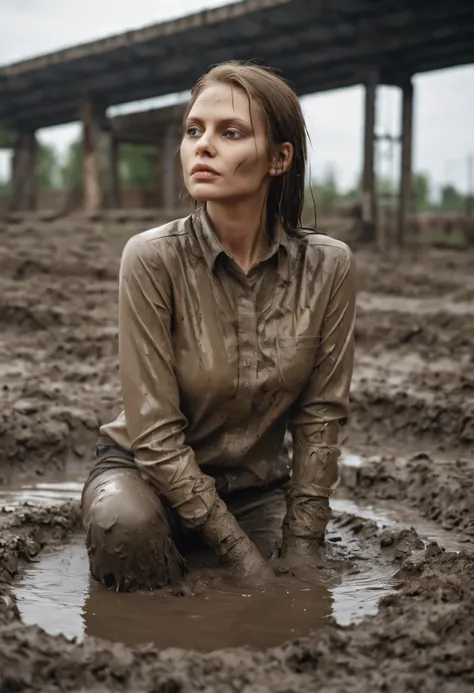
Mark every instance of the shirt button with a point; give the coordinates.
(247, 363)
(246, 384)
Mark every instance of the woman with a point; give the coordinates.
(235, 325)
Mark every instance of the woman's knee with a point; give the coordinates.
(129, 538)
(122, 498)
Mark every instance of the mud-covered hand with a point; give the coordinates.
(307, 501)
(303, 528)
(237, 552)
(302, 551)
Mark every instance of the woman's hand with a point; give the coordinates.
(237, 553)
(303, 552)
(248, 566)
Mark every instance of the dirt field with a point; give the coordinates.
(412, 425)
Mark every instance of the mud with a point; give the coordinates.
(260, 618)
(412, 424)
(420, 636)
(440, 489)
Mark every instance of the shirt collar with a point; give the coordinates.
(208, 240)
(212, 248)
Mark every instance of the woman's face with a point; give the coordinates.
(224, 152)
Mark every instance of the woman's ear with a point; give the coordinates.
(282, 159)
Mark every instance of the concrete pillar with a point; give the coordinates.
(92, 117)
(368, 173)
(23, 175)
(169, 162)
(406, 139)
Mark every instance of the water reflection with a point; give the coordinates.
(57, 594)
(216, 619)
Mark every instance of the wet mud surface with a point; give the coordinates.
(220, 616)
(412, 425)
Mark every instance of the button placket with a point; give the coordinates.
(247, 341)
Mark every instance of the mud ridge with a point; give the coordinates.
(428, 273)
(421, 636)
(413, 385)
(443, 335)
(58, 346)
(24, 533)
(441, 490)
(445, 422)
(36, 439)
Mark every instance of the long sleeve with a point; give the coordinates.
(150, 391)
(324, 403)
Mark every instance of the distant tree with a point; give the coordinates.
(70, 173)
(4, 187)
(137, 165)
(326, 191)
(351, 195)
(386, 187)
(7, 137)
(421, 192)
(47, 167)
(451, 199)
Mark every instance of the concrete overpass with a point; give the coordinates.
(317, 44)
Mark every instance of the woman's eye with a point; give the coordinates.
(232, 134)
(193, 131)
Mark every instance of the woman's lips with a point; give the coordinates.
(203, 172)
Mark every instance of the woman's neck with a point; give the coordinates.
(241, 229)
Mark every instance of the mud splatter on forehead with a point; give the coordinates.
(206, 97)
(220, 94)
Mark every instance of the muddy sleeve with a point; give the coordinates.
(150, 391)
(324, 403)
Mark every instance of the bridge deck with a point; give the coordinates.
(317, 44)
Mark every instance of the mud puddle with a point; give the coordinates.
(45, 492)
(58, 595)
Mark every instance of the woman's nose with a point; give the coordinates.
(205, 146)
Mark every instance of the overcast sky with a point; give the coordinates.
(444, 116)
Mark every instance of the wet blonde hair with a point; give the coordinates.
(284, 122)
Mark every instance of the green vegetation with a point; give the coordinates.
(137, 170)
(328, 194)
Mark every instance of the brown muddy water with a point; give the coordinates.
(57, 593)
